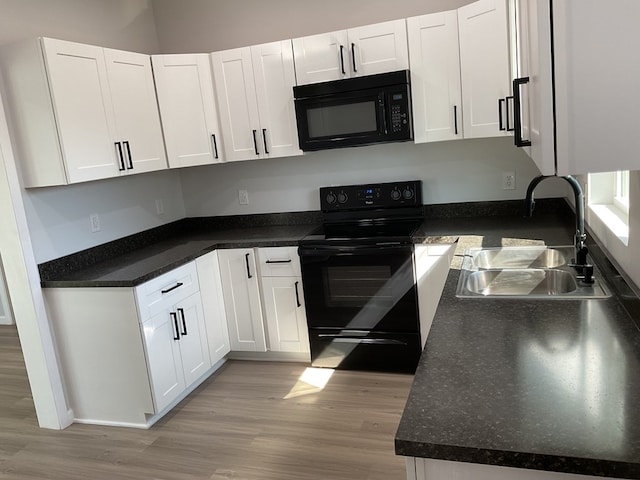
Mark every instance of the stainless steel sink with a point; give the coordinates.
(536, 272)
(521, 281)
(519, 257)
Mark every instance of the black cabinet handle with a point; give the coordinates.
(353, 56)
(215, 145)
(517, 112)
(295, 285)
(255, 142)
(177, 285)
(264, 139)
(121, 166)
(176, 330)
(509, 128)
(500, 102)
(455, 120)
(278, 261)
(342, 59)
(126, 145)
(246, 260)
(184, 321)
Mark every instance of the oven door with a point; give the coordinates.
(366, 288)
(341, 120)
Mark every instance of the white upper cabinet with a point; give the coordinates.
(533, 86)
(254, 87)
(188, 109)
(595, 84)
(81, 112)
(321, 58)
(133, 95)
(435, 76)
(366, 50)
(274, 75)
(485, 72)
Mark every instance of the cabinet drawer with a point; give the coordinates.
(167, 289)
(279, 262)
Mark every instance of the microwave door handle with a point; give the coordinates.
(382, 111)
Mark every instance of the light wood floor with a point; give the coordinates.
(251, 420)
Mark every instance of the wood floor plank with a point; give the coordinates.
(250, 421)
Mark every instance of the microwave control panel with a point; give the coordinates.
(399, 111)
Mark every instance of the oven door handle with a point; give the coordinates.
(337, 338)
(382, 249)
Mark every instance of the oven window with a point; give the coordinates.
(345, 119)
(356, 286)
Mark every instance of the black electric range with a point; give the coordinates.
(359, 279)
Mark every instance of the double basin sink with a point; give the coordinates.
(525, 272)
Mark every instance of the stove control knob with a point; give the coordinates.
(408, 193)
(331, 198)
(395, 194)
(342, 197)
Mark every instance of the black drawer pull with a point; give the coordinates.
(126, 145)
(278, 261)
(121, 166)
(176, 330)
(246, 260)
(177, 285)
(184, 321)
(295, 285)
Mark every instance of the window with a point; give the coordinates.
(609, 200)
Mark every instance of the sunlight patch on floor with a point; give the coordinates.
(312, 380)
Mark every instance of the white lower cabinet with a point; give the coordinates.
(241, 291)
(431, 469)
(432, 268)
(177, 349)
(213, 303)
(128, 354)
(284, 311)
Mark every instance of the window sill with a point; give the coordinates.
(614, 219)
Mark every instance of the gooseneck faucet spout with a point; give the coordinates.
(580, 235)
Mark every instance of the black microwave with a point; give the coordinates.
(354, 111)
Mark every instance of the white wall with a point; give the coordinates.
(123, 24)
(59, 217)
(456, 171)
(190, 26)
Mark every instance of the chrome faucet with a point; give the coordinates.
(580, 238)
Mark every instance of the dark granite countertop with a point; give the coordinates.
(537, 384)
(134, 265)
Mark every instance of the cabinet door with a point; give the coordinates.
(378, 48)
(321, 58)
(133, 95)
(596, 85)
(533, 53)
(275, 78)
(213, 305)
(188, 109)
(285, 314)
(236, 94)
(241, 293)
(484, 61)
(164, 360)
(435, 76)
(194, 349)
(83, 109)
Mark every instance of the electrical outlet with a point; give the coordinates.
(243, 197)
(159, 206)
(94, 221)
(508, 180)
